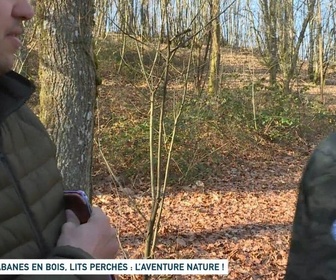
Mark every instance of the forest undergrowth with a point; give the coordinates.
(234, 173)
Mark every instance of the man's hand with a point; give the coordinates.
(95, 237)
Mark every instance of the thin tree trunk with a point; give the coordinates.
(320, 46)
(215, 49)
(311, 50)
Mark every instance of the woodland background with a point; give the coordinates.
(188, 121)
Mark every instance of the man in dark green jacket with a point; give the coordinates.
(33, 220)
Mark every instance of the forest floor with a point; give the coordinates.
(244, 215)
(243, 212)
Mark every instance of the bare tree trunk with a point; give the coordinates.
(101, 8)
(122, 16)
(131, 26)
(269, 10)
(215, 49)
(287, 41)
(312, 47)
(320, 48)
(292, 60)
(68, 85)
(144, 15)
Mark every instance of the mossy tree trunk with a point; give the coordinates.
(68, 85)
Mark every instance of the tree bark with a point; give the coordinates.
(68, 85)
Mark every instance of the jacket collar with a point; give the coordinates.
(15, 90)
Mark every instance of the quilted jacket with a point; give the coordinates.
(312, 254)
(31, 191)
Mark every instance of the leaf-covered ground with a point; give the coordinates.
(244, 215)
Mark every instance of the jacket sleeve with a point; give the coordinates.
(66, 252)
